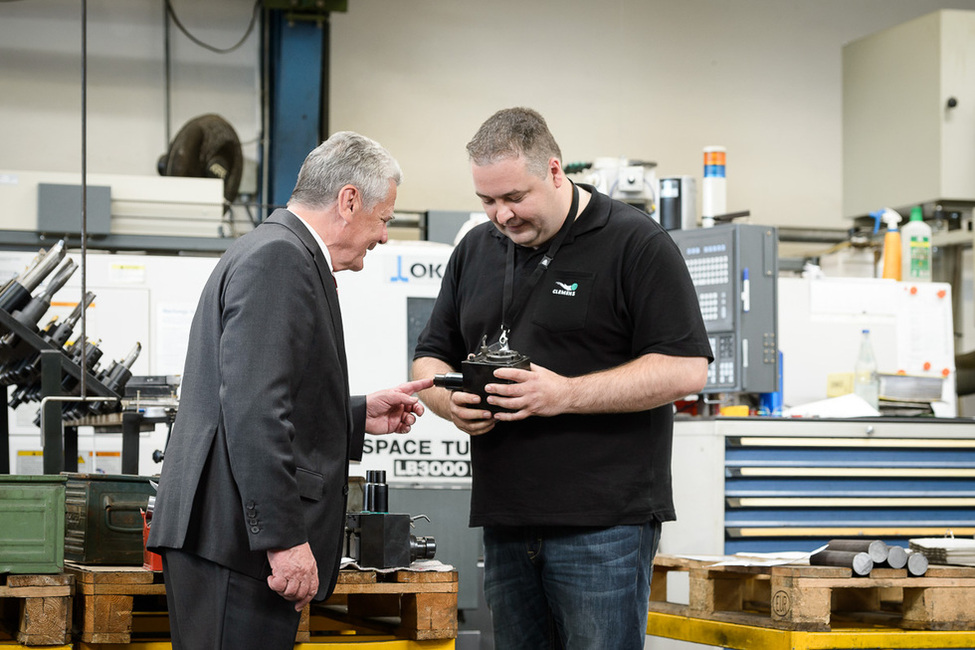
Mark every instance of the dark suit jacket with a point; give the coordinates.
(258, 456)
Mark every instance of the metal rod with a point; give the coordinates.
(917, 563)
(46, 263)
(66, 398)
(860, 563)
(896, 557)
(167, 54)
(84, 183)
(875, 548)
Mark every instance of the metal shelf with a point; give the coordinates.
(54, 363)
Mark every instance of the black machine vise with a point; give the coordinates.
(379, 540)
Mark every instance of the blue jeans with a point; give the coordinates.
(569, 587)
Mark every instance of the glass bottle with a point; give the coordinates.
(866, 383)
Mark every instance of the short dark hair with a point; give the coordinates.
(512, 132)
(346, 158)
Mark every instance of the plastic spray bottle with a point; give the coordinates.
(916, 248)
(892, 243)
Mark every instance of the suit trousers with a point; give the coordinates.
(212, 607)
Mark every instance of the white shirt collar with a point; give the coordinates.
(314, 233)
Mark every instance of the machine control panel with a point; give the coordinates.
(734, 268)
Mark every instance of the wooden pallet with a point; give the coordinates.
(115, 603)
(415, 605)
(37, 608)
(104, 597)
(814, 598)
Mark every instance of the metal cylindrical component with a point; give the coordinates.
(75, 314)
(64, 330)
(31, 313)
(36, 274)
(422, 548)
(875, 548)
(115, 377)
(14, 296)
(33, 262)
(380, 496)
(859, 562)
(375, 492)
(64, 273)
(132, 355)
(19, 397)
(896, 557)
(449, 380)
(917, 563)
(678, 203)
(16, 293)
(368, 497)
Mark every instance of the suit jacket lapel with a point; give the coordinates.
(290, 221)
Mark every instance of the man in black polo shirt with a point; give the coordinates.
(572, 480)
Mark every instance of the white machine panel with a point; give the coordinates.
(819, 332)
(384, 308)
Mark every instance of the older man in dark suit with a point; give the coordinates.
(250, 512)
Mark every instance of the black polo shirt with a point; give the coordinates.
(617, 289)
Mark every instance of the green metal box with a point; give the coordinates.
(103, 518)
(31, 523)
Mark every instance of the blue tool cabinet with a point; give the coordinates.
(794, 484)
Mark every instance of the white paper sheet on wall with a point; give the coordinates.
(925, 345)
(820, 320)
(173, 328)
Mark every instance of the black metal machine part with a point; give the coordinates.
(478, 371)
(378, 539)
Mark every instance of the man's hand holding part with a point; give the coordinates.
(647, 382)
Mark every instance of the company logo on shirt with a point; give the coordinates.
(563, 289)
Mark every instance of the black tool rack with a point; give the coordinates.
(60, 443)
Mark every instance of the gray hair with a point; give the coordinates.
(512, 132)
(346, 158)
